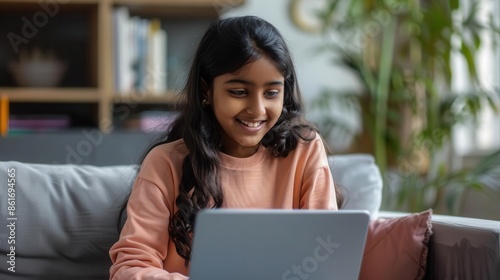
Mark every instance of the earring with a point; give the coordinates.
(204, 103)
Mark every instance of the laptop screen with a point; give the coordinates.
(278, 244)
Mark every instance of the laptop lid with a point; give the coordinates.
(249, 244)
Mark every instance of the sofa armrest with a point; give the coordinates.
(462, 248)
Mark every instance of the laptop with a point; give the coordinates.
(231, 244)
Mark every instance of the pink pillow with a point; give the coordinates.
(396, 248)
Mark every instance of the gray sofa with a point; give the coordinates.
(64, 218)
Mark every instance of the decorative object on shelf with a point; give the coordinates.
(37, 69)
(304, 14)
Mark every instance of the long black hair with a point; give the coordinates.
(227, 45)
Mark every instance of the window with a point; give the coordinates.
(486, 136)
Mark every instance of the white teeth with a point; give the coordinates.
(251, 124)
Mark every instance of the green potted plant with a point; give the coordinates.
(401, 51)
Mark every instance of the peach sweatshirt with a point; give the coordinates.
(145, 251)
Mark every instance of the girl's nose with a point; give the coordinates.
(256, 105)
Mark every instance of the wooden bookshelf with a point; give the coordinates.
(90, 74)
(51, 95)
(146, 98)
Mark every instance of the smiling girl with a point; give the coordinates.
(240, 141)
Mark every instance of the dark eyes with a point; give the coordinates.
(242, 92)
(237, 92)
(272, 93)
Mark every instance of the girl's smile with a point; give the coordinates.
(247, 104)
(252, 127)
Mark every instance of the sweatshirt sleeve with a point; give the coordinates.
(143, 243)
(318, 189)
(144, 250)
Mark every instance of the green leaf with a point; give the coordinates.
(454, 4)
(471, 18)
(490, 162)
(476, 186)
(477, 40)
(470, 59)
(451, 201)
(328, 15)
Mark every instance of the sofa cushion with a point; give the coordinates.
(397, 248)
(359, 178)
(66, 218)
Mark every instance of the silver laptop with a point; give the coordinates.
(273, 244)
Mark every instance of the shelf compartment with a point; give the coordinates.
(69, 31)
(78, 114)
(51, 95)
(142, 116)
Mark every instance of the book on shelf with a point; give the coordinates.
(38, 123)
(4, 115)
(150, 121)
(140, 54)
(29, 123)
(156, 62)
